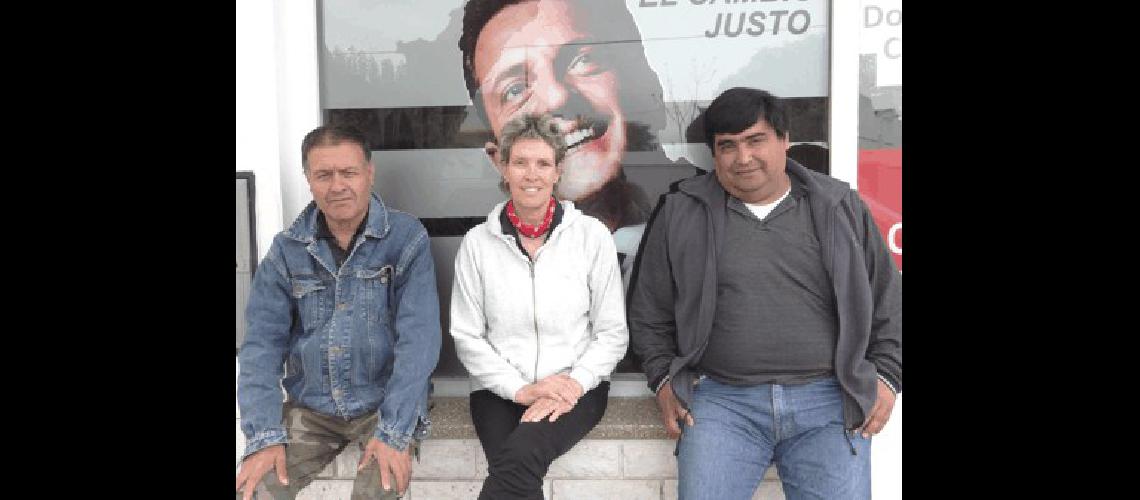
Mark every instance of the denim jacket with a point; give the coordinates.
(362, 339)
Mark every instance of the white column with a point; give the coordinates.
(298, 96)
(886, 458)
(257, 138)
(278, 102)
(843, 128)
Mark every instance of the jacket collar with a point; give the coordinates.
(707, 188)
(569, 214)
(304, 227)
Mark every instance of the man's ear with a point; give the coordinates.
(492, 151)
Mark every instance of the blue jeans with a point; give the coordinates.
(741, 430)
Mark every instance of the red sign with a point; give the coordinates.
(880, 185)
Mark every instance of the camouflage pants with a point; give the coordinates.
(314, 441)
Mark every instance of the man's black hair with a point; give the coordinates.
(741, 107)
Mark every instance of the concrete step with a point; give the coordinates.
(625, 418)
(602, 469)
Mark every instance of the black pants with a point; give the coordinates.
(519, 453)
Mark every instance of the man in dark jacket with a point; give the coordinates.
(768, 314)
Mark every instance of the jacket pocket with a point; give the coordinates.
(308, 291)
(375, 293)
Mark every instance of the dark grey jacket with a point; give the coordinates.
(673, 300)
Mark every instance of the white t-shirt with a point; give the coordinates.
(762, 211)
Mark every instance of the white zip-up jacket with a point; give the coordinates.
(515, 321)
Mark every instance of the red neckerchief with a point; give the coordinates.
(527, 229)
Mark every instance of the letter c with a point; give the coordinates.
(892, 54)
(891, 238)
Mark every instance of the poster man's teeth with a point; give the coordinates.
(577, 136)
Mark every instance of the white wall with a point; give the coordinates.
(886, 458)
(277, 104)
(843, 126)
(298, 96)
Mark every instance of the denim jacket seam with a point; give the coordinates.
(274, 257)
(391, 436)
(264, 439)
(410, 252)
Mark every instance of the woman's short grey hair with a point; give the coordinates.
(532, 126)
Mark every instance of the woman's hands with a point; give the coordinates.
(559, 387)
(552, 396)
(544, 407)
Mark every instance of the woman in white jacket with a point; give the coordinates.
(537, 314)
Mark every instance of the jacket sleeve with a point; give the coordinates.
(468, 327)
(269, 314)
(885, 347)
(609, 336)
(652, 326)
(416, 351)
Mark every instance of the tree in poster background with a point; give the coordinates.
(682, 114)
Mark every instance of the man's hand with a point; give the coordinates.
(398, 463)
(559, 387)
(543, 407)
(257, 464)
(880, 412)
(671, 411)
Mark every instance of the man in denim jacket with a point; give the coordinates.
(343, 314)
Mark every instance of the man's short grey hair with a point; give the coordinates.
(532, 126)
(333, 135)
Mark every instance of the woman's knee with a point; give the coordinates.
(531, 455)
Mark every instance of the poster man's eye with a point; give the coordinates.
(513, 92)
(585, 63)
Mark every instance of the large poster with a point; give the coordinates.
(430, 83)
